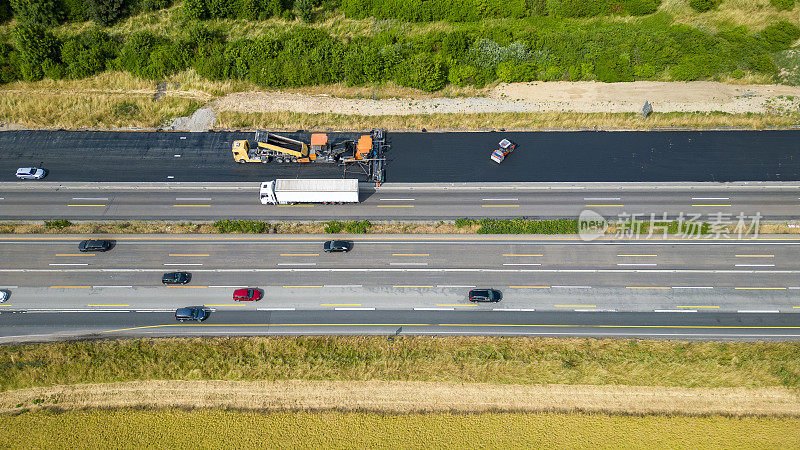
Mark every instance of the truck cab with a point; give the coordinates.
(267, 193)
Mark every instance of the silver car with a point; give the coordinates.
(30, 173)
(4, 295)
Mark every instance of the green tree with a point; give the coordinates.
(304, 10)
(195, 9)
(37, 49)
(105, 12)
(780, 36)
(422, 71)
(45, 13)
(87, 53)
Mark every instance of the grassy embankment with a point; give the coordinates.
(223, 429)
(119, 100)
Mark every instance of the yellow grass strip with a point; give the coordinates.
(405, 397)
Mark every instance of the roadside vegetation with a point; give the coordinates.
(458, 226)
(199, 49)
(331, 429)
(490, 360)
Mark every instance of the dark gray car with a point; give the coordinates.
(337, 246)
(197, 313)
(485, 295)
(176, 278)
(95, 246)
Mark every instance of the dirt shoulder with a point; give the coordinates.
(562, 96)
(405, 397)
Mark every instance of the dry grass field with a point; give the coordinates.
(491, 360)
(332, 430)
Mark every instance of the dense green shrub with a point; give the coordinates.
(304, 9)
(242, 9)
(704, 5)
(241, 226)
(38, 49)
(9, 63)
(105, 12)
(44, 13)
(333, 227)
(357, 226)
(780, 35)
(87, 53)
(783, 5)
(525, 226)
(148, 56)
(60, 223)
(422, 71)
(5, 10)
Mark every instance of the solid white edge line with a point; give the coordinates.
(674, 310)
(570, 287)
(453, 286)
(354, 309)
(521, 264)
(755, 311)
(183, 264)
(500, 199)
(68, 264)
(407, 264)
(711, 198)
(637, 264)
(514, 309)
(215, 286)
(275, 309)
(9, 287)
(90, 198)
(297, 264)
(434, 309)
(601, 198)
(754, 265)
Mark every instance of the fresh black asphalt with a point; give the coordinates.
(664, 156)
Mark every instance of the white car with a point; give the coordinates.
(30, 173)
(3, 296)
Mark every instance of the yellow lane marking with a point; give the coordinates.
(755, 288)
(271, 325)
(302, 286)
(457, 304)
(575, 306)
(411, 286)
(395, 206)
(88, 205)
(696, 306)
(755, 256)
(299, 254)
(499, 206)
(647, 287)
(340, 304)
(108, 305)
(191, 206)
(529, 287)
(410, 254)
(649, 256)
(713, 205)
(69, 287)
(75, 254)
(795, 307)
(505, 325)
(188, 254)
(604, 206)
(187, 287)
(519, 254)
(296, 206)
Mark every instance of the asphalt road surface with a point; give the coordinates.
(209, 201)
(18, 326)
(405, 273)
(717, 156)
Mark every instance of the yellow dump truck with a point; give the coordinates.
(272, 147)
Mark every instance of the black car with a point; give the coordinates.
(197, 313)
(485, 295)
(95, 246)
(337, 246)
(176, 278)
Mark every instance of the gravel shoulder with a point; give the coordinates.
(582, 97)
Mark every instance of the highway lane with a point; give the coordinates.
(18, 326)
(208, 201)
(406, 272)
(716, 156)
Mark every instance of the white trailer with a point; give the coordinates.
(289, 191)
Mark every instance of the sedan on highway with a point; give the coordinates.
(95, 246)
(176, 278)
(337, 246)
(4, 296)
(247, 295)
(485, 295)
(30, 173)
(197, 313)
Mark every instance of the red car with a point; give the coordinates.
(247, 295)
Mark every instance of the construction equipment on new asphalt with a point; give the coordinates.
(365, 156)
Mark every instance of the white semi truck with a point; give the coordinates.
(291, 191)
